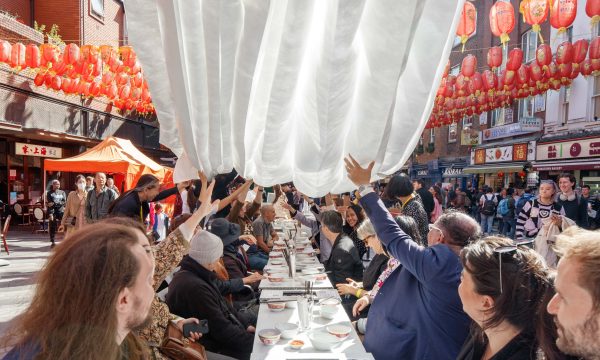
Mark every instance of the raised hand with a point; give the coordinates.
(357, 174)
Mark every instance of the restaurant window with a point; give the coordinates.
(529, 42)
(566, 94)
(596, 98)
(452, 133)
(431, 136)
(527, 107)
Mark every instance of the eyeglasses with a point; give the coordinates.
(509, 249)
(366, 238)
(433, 227)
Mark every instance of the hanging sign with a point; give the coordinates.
(38, 150)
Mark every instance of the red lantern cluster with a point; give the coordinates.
(471, 93)
(90, 71)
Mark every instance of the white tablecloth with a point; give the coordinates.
(351, 348)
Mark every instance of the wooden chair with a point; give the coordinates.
(18, 208)
(4, 233)
(40, 219)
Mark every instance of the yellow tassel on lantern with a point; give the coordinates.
(536, 28)
(463, 41)
(595, 20)
(504, 38)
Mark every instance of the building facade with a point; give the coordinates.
(571, 139)
(492, 148)
(49, 123)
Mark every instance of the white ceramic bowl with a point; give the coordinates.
(296, 344)
(269, 336)
(338, 330)
(292, 304)
(277, 277)
(279, 242)
(288, 330)
(329, 312)
(311, 271)
(274, 270)
(275, 254)
(276, 306)
(323, 341)
(277, 262)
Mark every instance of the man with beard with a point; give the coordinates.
(90, 315)
(576, 304)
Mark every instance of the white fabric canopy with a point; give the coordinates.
(282, 90)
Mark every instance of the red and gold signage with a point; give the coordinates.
(479, 156)
(38, 150)
(520, 152)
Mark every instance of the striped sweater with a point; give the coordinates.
(532, 217)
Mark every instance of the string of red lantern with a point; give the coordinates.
(471, 93)
(90, 71)
(468, 23)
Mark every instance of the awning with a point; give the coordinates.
(591, 164)
(484, 169)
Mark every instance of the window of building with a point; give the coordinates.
(529, 43)
(455, 70)
(527, 107)
(421, 140)
(566, 94)
(431, 136)
(596, 98)
(498, 117)
(97, 8)
(467, 121)
(452, 133)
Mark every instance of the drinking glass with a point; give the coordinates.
(304, 312)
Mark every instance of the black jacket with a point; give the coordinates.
(427, 200)
(193, 292)
(344, 261)
(521, 347)
(59, 199)
(129, 204)
(372, 272)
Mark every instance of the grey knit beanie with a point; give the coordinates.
(205, 247)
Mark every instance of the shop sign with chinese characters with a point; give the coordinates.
(574, 149)
(38, 150)
(516, 152)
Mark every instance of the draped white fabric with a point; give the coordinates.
(282, 90)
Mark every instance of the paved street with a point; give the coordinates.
(28, 252)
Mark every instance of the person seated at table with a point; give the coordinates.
(418, 313)
(193, 292)
(361, 307)
(402, 191)
(354, 217)
(503, 287)
(232, 238)
(258, 255)
(243, 213)
(344, 261)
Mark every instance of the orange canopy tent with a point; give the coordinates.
(113, 155)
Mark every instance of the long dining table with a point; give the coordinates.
(289, 290)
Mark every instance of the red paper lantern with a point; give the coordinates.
(535, 12)
(476, 84)
(494, 57)
(468, 67)
(32, 56)
(17, 56)
(461, 85)
(490, 80)
(49, 55)
(468, 23)
(500, 174)
(66, 85)
(594, 50)
(562, 14)
(515, 59)
(48, 80)
(523, 75)
(56, 82)
(592, 9)
(586, 67)
(564, 53)
(580, 48)
(522, 174)
(536, 72)
(90, 53)
(502, 20)
(5, 51)
(39, 79)
(112, 91)
(108, 54)
(71, 54)
(124, 91)
(543, 55)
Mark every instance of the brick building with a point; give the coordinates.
(37, 116)
(447, 154)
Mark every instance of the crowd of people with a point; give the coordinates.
(419, 270)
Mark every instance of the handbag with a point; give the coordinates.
(175, 346)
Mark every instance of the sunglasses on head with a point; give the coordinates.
(509, 249)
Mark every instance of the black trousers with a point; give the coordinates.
(54, 219)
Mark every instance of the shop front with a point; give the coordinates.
(22, 169)
(453, 172)
(502, 166)
(580, 156)
(430, 176)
